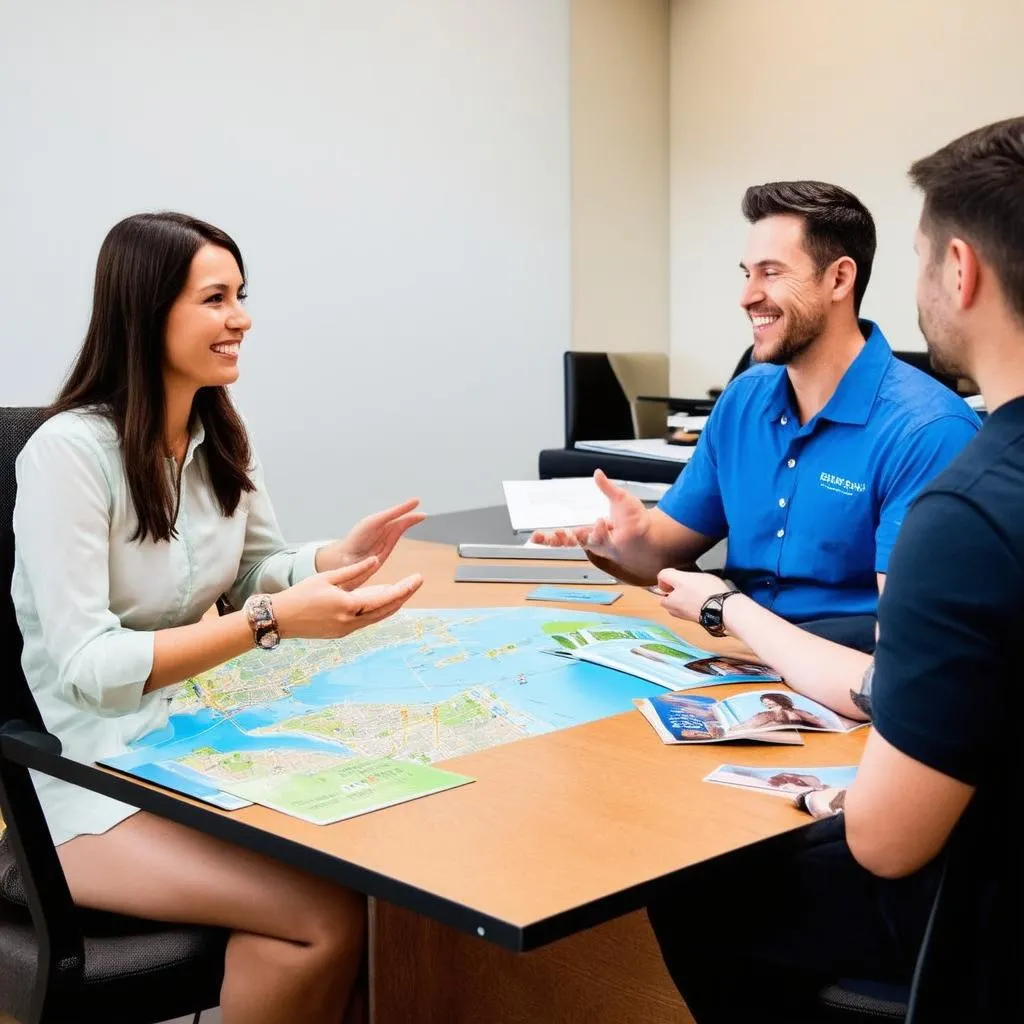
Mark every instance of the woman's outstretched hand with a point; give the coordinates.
(335, 603)
(375, 536)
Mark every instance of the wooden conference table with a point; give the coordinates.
(556, 845)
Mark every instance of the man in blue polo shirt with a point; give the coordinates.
(811, 458)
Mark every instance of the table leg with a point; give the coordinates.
(422, 972)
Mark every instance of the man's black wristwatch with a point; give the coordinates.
(711, 613)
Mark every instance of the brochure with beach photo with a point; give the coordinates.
(655, 654)
(786, 782)
(765, 715)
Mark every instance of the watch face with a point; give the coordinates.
(268, 639)
(262, 614)
(711, 616)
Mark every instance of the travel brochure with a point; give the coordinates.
(769, 716)
(785, 782)
(656, 654)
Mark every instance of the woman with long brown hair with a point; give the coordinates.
(140, 504)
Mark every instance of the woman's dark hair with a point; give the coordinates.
(782, 699)
(142, 268)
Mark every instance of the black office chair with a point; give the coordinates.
(858, 1001)
(742, 364)
(598, 409)
(967, 967)
(58, 962)
(596, 406)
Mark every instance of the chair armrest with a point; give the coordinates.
(58, 933)
(17, 732)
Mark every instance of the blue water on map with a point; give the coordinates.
(557, 691)
(185, 733)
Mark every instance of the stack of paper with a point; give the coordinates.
(680, 421)
(564, 502)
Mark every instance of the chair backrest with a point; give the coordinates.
(596, 406)
(743, 364)
(35, 874)
(17, 425)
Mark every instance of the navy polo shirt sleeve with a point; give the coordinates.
(695, 499)
(913, 464)
(946, 618)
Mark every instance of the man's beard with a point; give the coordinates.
(945, 345)
(802, 330)
(947, 348)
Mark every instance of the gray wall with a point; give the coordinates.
(397, 175)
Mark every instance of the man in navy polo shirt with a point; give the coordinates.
(810, 459)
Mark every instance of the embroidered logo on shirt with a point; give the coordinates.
(841, 485)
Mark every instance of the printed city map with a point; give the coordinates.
(421, 687)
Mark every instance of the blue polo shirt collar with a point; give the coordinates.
(854, 398)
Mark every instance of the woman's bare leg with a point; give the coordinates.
(296, 943)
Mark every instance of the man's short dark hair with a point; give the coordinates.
(974, 189)
(836, 223)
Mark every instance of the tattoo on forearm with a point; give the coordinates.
(861, 699)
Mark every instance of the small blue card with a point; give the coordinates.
(588, 596)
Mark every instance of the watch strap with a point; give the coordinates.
(259, 610)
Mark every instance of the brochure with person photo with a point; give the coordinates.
(764, 715)
(655, 654)
(786, 782)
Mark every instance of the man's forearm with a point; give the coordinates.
(819, 669)
(638, 573)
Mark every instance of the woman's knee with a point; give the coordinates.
(338, 923)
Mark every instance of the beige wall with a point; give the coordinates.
(849, 93)
(620, 76)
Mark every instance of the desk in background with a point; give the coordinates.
(490, 525)
(561, 462)
(560, 833)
